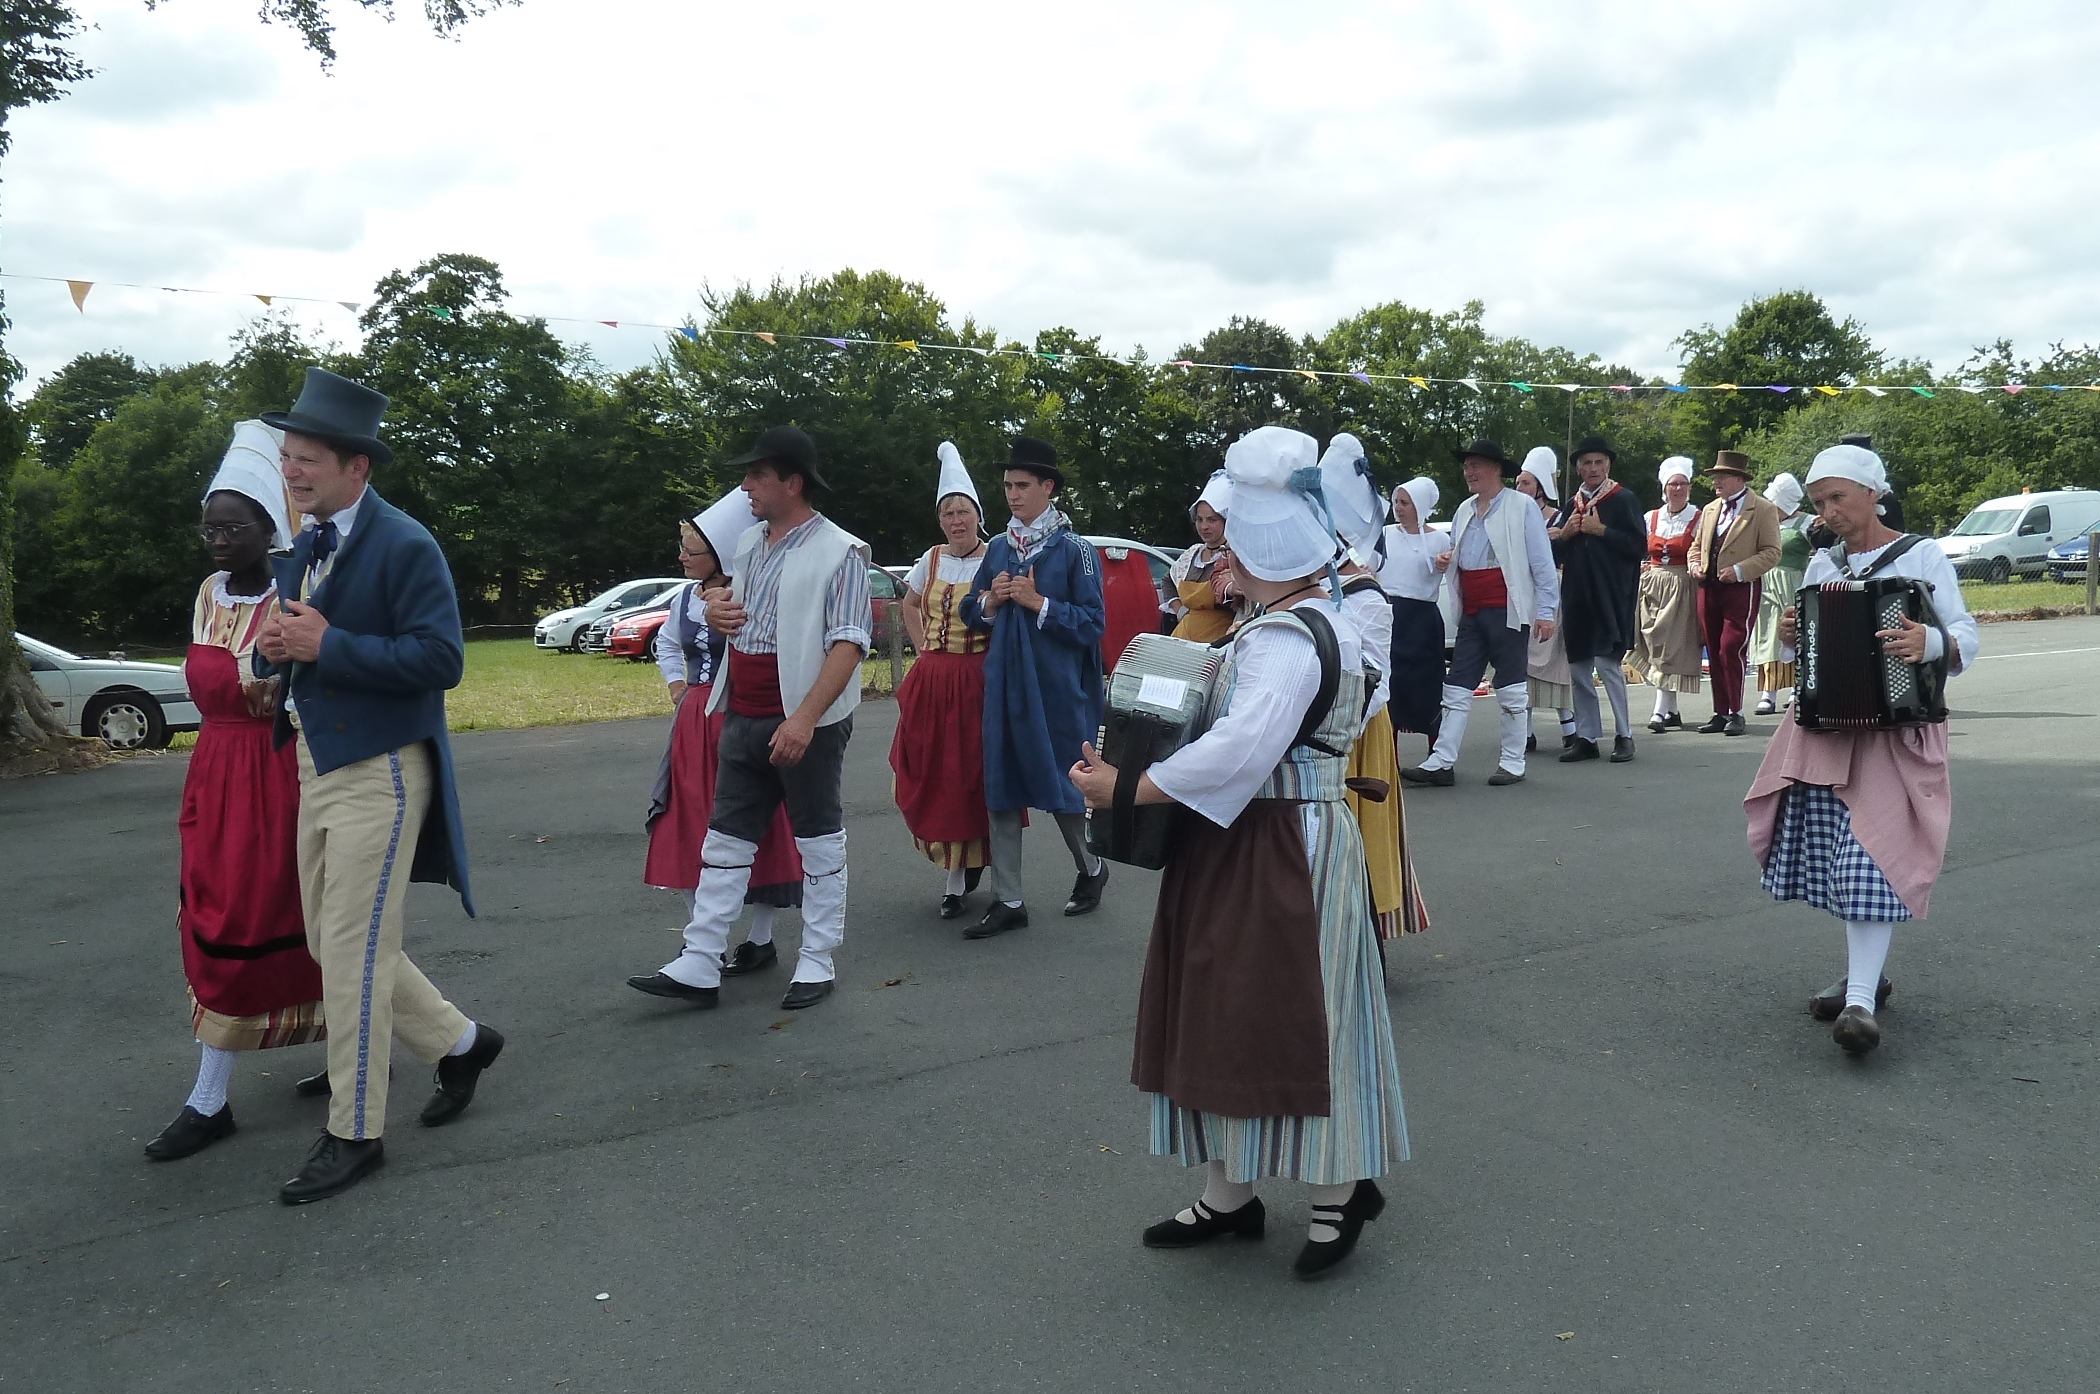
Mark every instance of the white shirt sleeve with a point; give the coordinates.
(670, 659)
(1373, 615)
(918, 578)
(1277, 676)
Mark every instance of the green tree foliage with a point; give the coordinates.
(1784, 340)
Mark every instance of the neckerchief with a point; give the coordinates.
(1029, 538)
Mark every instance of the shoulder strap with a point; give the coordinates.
(1888, 555)
(1357, 585)
(1329, 648)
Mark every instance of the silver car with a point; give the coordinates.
(133, 706)
(564, 629)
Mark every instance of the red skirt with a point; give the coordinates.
(687, 800)
(243, 929)
(938, 752)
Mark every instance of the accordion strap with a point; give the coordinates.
(1888, 556)
(1142, 731)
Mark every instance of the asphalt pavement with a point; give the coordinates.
(1639, 1164)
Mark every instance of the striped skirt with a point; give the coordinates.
(1365, 1133)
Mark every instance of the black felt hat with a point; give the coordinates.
(1485, 449)
(789, 450)
(344, 413)
(1038, 457)
(1594, 445)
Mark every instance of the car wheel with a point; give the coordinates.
(127, 721)
(2000, 572)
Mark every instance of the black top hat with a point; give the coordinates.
(1038, 457)
(1863, 439)
(1594, 445)
(789, 450)
(343, 413)
(1485, 449)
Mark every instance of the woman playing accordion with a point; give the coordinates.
(1855, 821)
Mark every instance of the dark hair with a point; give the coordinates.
(256, 512)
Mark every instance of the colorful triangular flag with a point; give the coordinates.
(908, 345)
(80, 291)
(350, 305)
(1827, 391)
(1422, 383)
(690, 333)
(1876, 391)
(835, 343)
(1473, 383)
(763, 337)
(1364, 378)
(1922, 391)
(2013, 389)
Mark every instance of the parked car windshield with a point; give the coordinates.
(52, 651)
(1986, 521)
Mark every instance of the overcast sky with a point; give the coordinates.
(1601, 175)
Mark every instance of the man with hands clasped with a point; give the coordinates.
(1039, 594)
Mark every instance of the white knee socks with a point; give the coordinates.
(214, 1073)
(1331, 1198)
(958, 881)
(1665, 703)
(1220, 1197)
(1866, 951)
(761, 931)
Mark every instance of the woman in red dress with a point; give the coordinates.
(253, 986)
(937, 755)
(690, 656)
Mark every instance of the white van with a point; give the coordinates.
(2012, 536)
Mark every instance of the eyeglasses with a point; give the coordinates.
(232, 532)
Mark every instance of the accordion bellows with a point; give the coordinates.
(1160, 698)
(1846, 680)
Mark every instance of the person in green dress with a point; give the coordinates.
(1775, 671)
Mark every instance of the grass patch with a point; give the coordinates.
(2019, 597)
(509, 683)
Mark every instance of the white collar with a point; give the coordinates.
(343, 518)
(227, 599)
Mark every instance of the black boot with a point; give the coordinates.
(1247, 1222)
(1362, 1207)
(191, 1132)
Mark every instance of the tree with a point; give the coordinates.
(1787, 340)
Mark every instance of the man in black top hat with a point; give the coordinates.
(1599, 540)
(1039, 593)
(369, 648)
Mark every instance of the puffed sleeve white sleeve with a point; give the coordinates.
(1277, 676)
(670, 659)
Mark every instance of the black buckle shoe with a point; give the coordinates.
(1621, 749)
(662, 985)
(1830, 1002)
(336, 1164)
(997, 920)
(748, 957)
(458, 1074)
(800, 995)
(190, 1133)
(1364, 1205)
(1086, 892)
(1247, 1222)
(1582, 748)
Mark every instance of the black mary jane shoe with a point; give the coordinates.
(748, 957)
(1086, 892)
(1247, 1222)
(951, 907)
(1828, 1004)
(457, 1075)
(190, 1133)
(1364, 1205)
(335, 1165)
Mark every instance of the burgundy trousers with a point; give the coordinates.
(1725, 608)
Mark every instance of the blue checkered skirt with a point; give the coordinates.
(1816, 858)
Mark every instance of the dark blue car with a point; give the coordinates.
(2067, 560)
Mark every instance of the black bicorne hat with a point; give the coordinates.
(344, 413)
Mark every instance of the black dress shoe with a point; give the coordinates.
(658, 985)
(1362, 1207)
(1736, 725)
(971, 876)
(1422, 774)
(1568, 740)
(748, 957)
(1713, 725)
(1856, 1030)
(1501, 777)
(1621, 749)
(335, 1164)
(1247, 1222)
(997, 920)
(1531, 744)
(800, 995)
(191, 1132)
(458, 1074)
(314, 1086)
(951, 907)
(1827, 1004)
(1086, 892)
(1582, 749)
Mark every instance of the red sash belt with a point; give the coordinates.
(754, 683)
(1484, 589)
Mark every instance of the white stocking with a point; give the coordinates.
(214, 1073)
(1220, 1197)
(761, 931)
(1866, 951)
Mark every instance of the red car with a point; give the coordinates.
(634, 638)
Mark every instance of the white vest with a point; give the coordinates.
(805, 584)
(1505, 528)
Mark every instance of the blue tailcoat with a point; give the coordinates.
(392, 649)
(1042, 684)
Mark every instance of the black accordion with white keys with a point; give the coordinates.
(1846, 681)
(1160, 698)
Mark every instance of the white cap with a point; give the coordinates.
(1676, 467)
(1542, 464)
(1422, 489)
(1853, 462)
(1784, 492)
(955, 479)
(1352, 497)
(724, 524)
(1277, 528)
(252, 468)
(1217, 492)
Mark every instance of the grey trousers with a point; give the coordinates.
(1006, 849)
(1589, 718)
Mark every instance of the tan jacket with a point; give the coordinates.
(1751, 546)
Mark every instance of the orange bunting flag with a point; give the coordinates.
(264, 298)
(80, 290)
(1308, 375)
(763, 336)
(1724, 387)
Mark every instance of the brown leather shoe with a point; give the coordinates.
(1856, 1030)
(1826, 1005)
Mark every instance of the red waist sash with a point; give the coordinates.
(754, 683)
(1484, 589)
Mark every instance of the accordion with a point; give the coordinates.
(1846, 682)
(1159, 699)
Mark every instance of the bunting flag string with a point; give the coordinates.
(1420, 382)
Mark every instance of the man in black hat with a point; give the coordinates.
(1039, 593)
(1599, 540)
(800, 623)
(368, 649)
(1499, 583)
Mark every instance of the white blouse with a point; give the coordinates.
(1276, 675)
(670, 659)
(1373, 616)
(1667, 525)
(956, 571)
(1923, 562)
(1410, 562)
